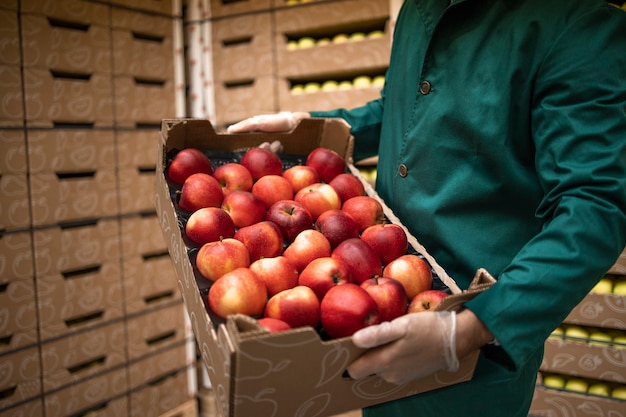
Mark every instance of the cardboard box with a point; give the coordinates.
(148, 282)
(100, 396)
(585, 360)
(58, 98)
(67, 197)
(32, 408)
(18, 310)
(620, 265)
(21, 376)
(87, 12)
(141, 100)
(143, 54)
(600, 310)
(9, 38)
(557, 403)
(16, 257)
(14, 202)
(141, 235)
(135, 190)
(136, 148)
(221, 8)
(70, 150)
(12, 104)
(80, 299)
(60, 250)
(161, 396)
(188, 409)
(152, 367)
(72, 46)
(13, 151)
(140, 22)
(238, 99)
(163, 7)
(238, 354)
(9, 5)
(156, 329)
(242, 47)
(83, 355)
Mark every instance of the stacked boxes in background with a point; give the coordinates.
(278, 55)
(584, 368)
(92, 319)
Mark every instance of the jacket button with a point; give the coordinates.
(403, 170)
(425, 87)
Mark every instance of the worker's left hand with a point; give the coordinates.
(410, 347)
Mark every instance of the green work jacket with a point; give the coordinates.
(501, 135)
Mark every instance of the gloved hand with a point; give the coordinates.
(279, 122)
(410, 347)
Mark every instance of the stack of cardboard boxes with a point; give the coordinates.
(90, 317)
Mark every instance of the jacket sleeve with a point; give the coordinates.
(578, 124)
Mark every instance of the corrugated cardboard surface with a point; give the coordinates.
(254, 373)
(21, 376)
(600, 310)
(557, 403)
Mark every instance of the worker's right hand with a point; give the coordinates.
(278, 122)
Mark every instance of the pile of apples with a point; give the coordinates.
(299, 245)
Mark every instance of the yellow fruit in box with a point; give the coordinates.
(323, 41)
(557, 333)
(376, 34)
(340, 38)
(362, 81)
(306, 42)
(603, 286)
(357, 36)
(599, 388)
(619, 288)
(619, 392)
(378, 81)
(576, 332)
(554, 381)
(292, 45)
(329, 85)
(297, 89)
(345, 85)
(576, 385)
(312, 87)
(600, 338)
(619, 341)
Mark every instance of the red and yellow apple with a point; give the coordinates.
(209, 224)
(244, 208)
(388, 240)
(233, 176)
(263, 240)
(347, 186)
(198, 191)
(277, 273)
(389, 295)
(412, 271)
(362, 260)
(215, 259)
(297, 306)
(300, 176)
(322, 274)
(326, 162)
(318, 198)
(272, 188)
(239, 291)
(273, 325)
(187, 162)
(307, 246)
(337, 226)
(261, 162)
(347, 308)
(366, 210)
(291, 218)
(427, 300)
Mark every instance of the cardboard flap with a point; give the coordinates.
(481, 282)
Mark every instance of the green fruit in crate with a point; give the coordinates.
(619, 392)
(619, 288)
(600, 338)
(600, 388)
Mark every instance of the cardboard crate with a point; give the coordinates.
(18, 309)
(160, 364)
(87, 12)
(242, 47)
(148, 282)
(585, 360)
(221, 8)
(100, 396)
(143, 54)
(140, 100)
(68, 197)
(600, 310)
(137, 148)
(155, 330)
(12, 105)
(238, 99)
(162, 7)
(32, 408)
(161, 395)
(21, 376)
(141, 236)
(9, 5)
(140, 22)
(16, 257)
(13, 151)
(70, 150)
(551, 402)
(237, 352)
(620, 265)
(188, 409)
(81, 356)
(56, 98)
(135, 190)
(79, 299)
(65, 45)
(9, 38)
(14, 202)
(62, 249)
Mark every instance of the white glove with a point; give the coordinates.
(279, 122)
(410, 347)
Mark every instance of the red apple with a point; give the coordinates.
(244, 208)
(263, 240)
(198, 191)
(389, 295)
(360, 257)
(261, 162)
(366, 210)
(337, 226)
(318, 198)
(277, 273)
(187, 162)
(215, 259)
(233, 176)
(272, 188)
(299, 176)
(308, 245)
(347, 186)
(412, 271)
(388, 240)
(209, 224)
(239, 291)
(426, 301)
(297, 306)
(322, 274)
(273, 325)
(326, 162)
(347, 308)
(291, 218)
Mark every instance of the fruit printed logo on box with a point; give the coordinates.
(295, 241)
